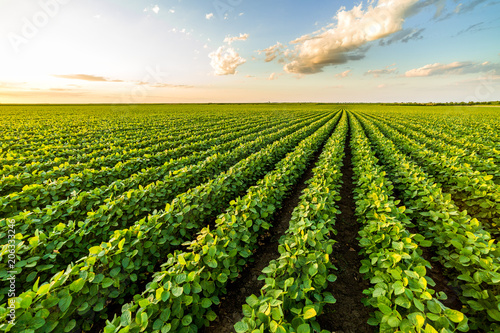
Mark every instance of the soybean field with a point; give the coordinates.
(249, 218)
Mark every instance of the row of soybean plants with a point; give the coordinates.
(461, 243)
(473, 189)
(401, 291)
(294, 290)
(51, 244)
(117, 269)
(180, 296)
(64, 179)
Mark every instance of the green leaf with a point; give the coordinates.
(70, 326)
(107, 282)
(36, 323)
(65, 302)
(454, 315)
(211, 315)
(43, 289)
(241, 326)
(304, 328)
(329, 299)
(222, 277)
(393, 321)
(177, 291)
(398, 287)
(252, 300)
(77, 285)
(493, 313)
(385, 309)
(126, 318)
(144, 303)
(430, 329)
(309, 312)
(186, 320)
(403, 301)
(206, 303)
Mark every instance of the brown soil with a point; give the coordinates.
(348, 314)
(229, 311)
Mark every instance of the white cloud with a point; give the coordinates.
(241, 14)
(385, 71)
(272, 52)
(155, 9)
(354, 29)
(344, 74)
(349, 38)
(171, 10)
(454, 68)
(241, 37)
(225, 61)
(273, 76)
(209, 16)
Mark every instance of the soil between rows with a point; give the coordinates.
(348, 314)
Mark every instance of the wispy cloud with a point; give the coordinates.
(166, 85)
(86, 77)
(344, 74)
(225, 61)
(95, 78)
(209, 16)
(403, 36)
(273, 52)
(385, 71)
(454, 68)
(242, 37)
(463, 8)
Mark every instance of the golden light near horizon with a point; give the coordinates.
(108, 51)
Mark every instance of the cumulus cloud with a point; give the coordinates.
(86, 77)
(350, 37)
(454, 68)
(209, 16)
(344, 74)
(225, 61)
(344, 41)
(241, 37)
(385, 71)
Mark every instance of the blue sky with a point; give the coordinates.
(135, 51)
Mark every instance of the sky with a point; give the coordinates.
(198, 51)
